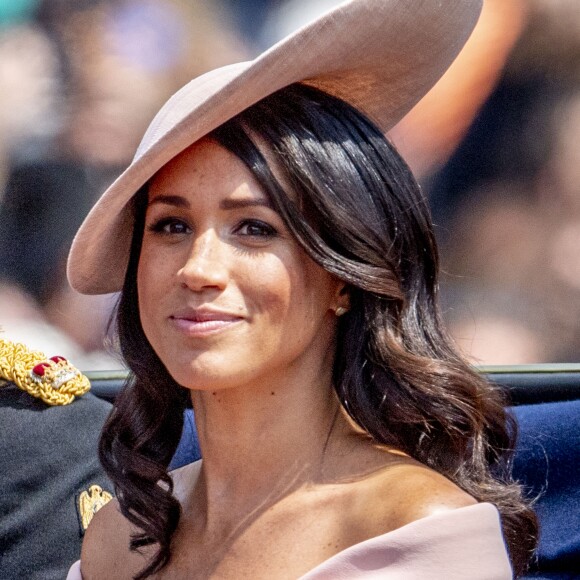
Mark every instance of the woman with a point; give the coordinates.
(278, 269)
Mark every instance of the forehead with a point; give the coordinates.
(208, 164)
(204, 164)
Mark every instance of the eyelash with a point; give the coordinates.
(160, 226)
(266, 230)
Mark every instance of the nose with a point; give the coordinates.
(206, 265)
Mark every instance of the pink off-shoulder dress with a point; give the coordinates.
(461, 544)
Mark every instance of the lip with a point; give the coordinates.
(203, 321)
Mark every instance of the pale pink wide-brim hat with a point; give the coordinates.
(381, 56)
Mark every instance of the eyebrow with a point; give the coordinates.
(238, 203)
(180, 201)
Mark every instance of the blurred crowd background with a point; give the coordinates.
(495, 146)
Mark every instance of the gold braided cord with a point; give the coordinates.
(59, 384)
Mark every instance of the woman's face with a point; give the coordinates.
(226, 295)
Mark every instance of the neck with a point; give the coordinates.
(269, 425)
(261, 442)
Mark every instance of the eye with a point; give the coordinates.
(256, 229)
(170, 226)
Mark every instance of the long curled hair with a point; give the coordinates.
(358, 212)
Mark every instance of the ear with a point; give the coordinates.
(342, 299)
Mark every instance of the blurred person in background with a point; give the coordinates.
(84, 79)
(508, 203)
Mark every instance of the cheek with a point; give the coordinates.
(318, 288)
(295, 292)
(153, 278)
(267, 289)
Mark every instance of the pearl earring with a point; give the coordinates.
(340, 311)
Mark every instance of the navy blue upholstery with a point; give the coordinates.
(188, 449)
(547, 461)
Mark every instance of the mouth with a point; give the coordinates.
(200, 322)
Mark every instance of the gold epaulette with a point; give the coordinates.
(54, 380)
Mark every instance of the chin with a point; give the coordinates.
(196, 379)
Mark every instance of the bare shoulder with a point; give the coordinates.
(406, 491)
(425, 492)
(105, 551)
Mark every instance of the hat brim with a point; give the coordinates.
(381, 56)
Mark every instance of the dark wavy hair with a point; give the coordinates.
(359, 213)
